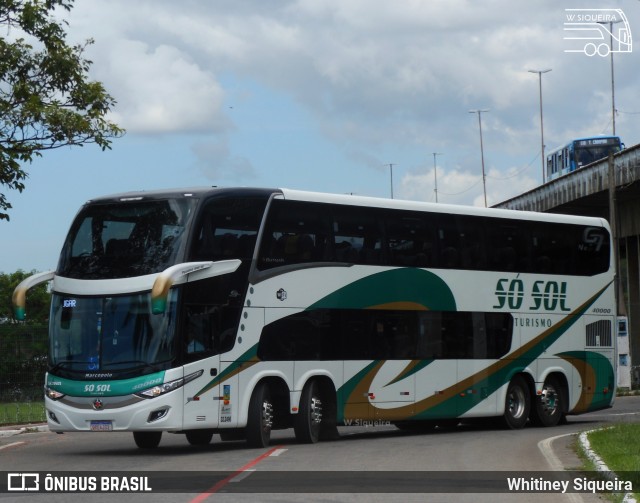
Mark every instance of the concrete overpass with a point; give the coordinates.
(587, 192)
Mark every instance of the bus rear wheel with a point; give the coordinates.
(517, 403)
(309, 420)
(147, 439)
(260, 418)
(549, 405)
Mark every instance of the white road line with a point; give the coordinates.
(243, 475)
(14, 444)
(555, 464)
(277, 452)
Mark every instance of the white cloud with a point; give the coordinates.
(373, 74)
(461, 186)
(216, 162)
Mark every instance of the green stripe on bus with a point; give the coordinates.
(395, 286)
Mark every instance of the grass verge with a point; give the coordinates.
(619, 448)
(21, 413)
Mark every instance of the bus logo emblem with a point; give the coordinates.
(281, 294)
(97, 404)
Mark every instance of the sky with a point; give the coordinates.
(343, 96)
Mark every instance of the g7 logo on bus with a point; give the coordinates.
(545, 295)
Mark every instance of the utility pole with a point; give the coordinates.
(391, 174)
(484, 178)
(542, 159)
(435, 174)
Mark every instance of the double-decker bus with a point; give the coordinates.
(580, 152)
(240, 311)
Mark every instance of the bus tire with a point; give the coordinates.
(232, 434)
(308, 423)
(517, 403)
(549, 405)
(147, 439)
(260, 418)
(199, 437)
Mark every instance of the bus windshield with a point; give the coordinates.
(122, 240)
(110, 334)
(591, 153)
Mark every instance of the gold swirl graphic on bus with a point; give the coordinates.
(597, 375)
(492, 377)
(412, 367)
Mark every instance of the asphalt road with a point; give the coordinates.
(374, 463)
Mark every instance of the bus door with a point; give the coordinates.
(205, 338)
(202, 395)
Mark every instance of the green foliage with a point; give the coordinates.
(38, 299)
(19, 413)
(46, 98)
(618, 446)
(23, 361)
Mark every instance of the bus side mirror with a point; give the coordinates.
(19, 298)
(180, 273)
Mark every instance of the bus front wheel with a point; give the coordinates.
(199, 437)
(260, 418)
(517, 403)
(308, 422)
(147, 439)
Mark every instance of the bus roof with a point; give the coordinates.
(376, 202)
(350, 200)
(198, 192)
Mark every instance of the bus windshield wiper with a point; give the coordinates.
(61, 364)
(135, 364)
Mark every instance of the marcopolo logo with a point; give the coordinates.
(597, 31)
(543, 295)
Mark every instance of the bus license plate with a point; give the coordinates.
(101, 426)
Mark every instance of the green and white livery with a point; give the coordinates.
(240, 311)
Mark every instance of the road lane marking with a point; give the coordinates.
(14, 444)
(243, 475)
(246, 468)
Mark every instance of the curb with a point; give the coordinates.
(601, 466)
(31, 428)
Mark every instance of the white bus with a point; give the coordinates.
(240, 311)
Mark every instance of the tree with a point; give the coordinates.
(38, 298)
(46, 98)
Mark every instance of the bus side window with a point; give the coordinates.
(295, 233)
(199, 330)
(357, 236)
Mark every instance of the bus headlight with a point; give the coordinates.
(167, 387)
(52, 393)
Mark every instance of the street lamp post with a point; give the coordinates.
(540, 72)
(391, 175)
(435, 174)
(484, 178)
(613, 87)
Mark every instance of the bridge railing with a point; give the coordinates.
(583, 182)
